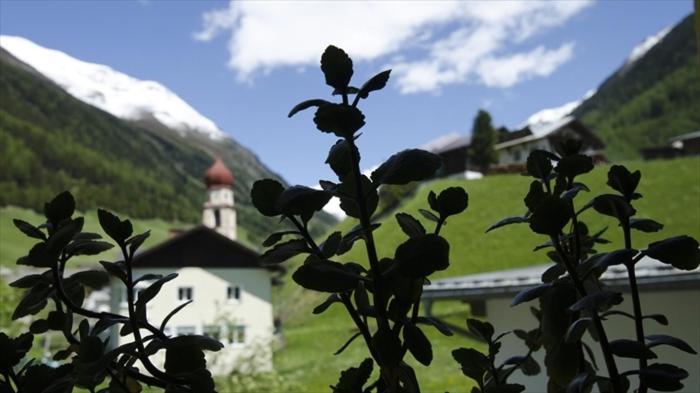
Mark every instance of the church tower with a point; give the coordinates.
(219, 212)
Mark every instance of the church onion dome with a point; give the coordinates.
(218, 175)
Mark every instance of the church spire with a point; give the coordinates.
(219, 212)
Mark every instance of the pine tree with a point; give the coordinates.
(484, 137)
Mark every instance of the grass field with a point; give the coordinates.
(671, 191)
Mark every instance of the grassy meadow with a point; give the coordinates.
(671, 195)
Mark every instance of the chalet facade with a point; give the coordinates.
(514, 147)
(230, 293)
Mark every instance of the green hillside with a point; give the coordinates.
(645, 103)
(50, 142)
(671, 192)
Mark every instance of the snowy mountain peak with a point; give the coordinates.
(550, 115)
(648, 43)
(112, 91)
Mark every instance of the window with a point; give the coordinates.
(212, 331)
(233, 293)
(184, 330)
(184, 294)
(236, 334)
(217, 218)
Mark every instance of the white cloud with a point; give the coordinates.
(440, 43)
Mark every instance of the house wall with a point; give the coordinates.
(680, 307)
(210, 307)
(517, 154)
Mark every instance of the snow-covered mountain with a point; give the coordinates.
(550, 115)
(112, 91)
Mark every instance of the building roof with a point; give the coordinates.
(447, 142)
(198, 247)
(684, 137)
(651, 275)
(218, 175)
(538, 131)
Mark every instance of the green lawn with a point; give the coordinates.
(671, 191)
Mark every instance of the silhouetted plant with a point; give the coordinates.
(572, 298)
(89, 359)
(482, 367)
(383, 297)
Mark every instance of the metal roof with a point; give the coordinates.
(538, 131)
(447, 142)
(690, 135)
(650, 274)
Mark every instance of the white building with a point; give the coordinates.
(230, 291)
(516, 146)
(663, 290)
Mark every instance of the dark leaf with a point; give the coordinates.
(539, 164)
(407, 166)
(388, 347)
(597, 301)
(375, 83)
(451, 201)
(421, 256)
(681, 252)
(550, 216)
(87, 247)
(409, 225)
(39, 326)
(136, 241)
(626, 348)
(662, 339)
(29, 229)
(305, 105)
(474, 363)
(617, 257)
(432, 201)
(353, 379)
(442, 328)
(508, 221)
(577, 329)
(553, 272)
(113, 226)
(264, 195)
(362, 299)
(326, 276)
(418, 344)
(614, 206)
(115, 269)
(407, 376)
(149, 293)
(32, 302)
(349, 90)
(571, 193)
(276, 237)
(535, 195)
(13, 350)
(645, 225)
(340, 158)
(331, 245)
(333, 298)
(94, 279)
(337, 67)
(574, 165)
(302, 200)
(60, 208)
(663, 377)
(481, 329)
(621, 180)
(352, 236)
(339, 119)
(30, 280)
(429, 215)
(530, 367)
(283, 251)
(530, 294)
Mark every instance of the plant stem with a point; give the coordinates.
(636, 304)
(379, 301)
(345, 299)
(604, 343)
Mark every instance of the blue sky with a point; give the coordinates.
(245, 65)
